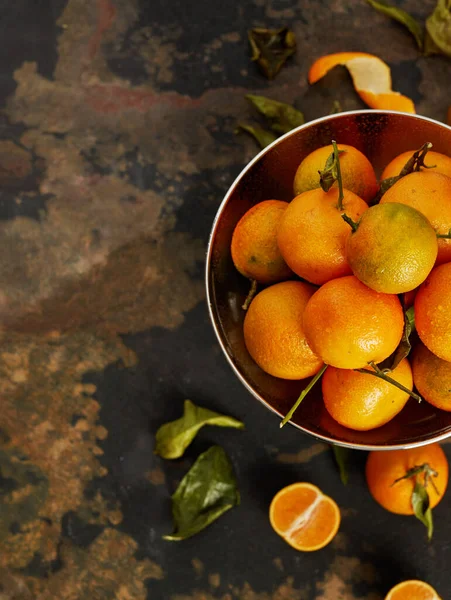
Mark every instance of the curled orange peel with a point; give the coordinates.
(371, 78)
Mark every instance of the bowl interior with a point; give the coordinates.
(380, 136)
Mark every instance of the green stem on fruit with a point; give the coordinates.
(376, 372)
(339, 179)
(250, 295)
(425, 468)
(444, 236)
(349, 221)
(304, 393)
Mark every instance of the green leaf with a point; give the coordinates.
(329, 175)
(438, 27)
(173, 438)
(402, 17)
(207, 491)
(421, 507)
(271, 48)
(282, 117)
(262, 136)
(341, 456)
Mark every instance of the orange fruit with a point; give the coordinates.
(430, 193)
(349, 325)
(305, 518)
(409, 298)
(393, 249)
(383, 468)
(412, 590)
(433, 312)
(254, 243)
(432, 377)
(356, 171)
(274, 334)
(440, 162)
(363, 402)
(371, 78)
(312, 235)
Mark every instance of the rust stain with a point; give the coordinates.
(339, 580)
(284, 591)
(198, 566)
(107, 569)
(49, 457)
(105, 15)
(303, 456)
(278, 563)
(156, 476)
(214, 579)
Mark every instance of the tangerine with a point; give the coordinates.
(356, 170)
(254, 243)
(319, 254)
(362, 402)
(433, 312)
(274, 334)
(430, 193)
(304, 517)
(436, 162)
(393, 248)
(412, 590)
(349, 325)
(385, 468)
(432, 377)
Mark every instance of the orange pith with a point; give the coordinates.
(304, 517)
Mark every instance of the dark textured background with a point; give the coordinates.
(116, 148)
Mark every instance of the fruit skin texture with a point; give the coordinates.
(430, 193)
(433, 312)
(312, 235)
(274, 334)
(394, 248)
(441, 161)
(363, 402)
(317, 516)
(254, 243)
(432, 377)
(348, 325)
(412, 590)
(356, 170)
(384, 467)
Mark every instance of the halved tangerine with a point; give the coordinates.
(412, 590)
(304, 517)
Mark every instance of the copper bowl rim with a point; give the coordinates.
(209, 291)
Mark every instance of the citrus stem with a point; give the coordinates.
(444, 236)
(304, 393)
(378, 373)
(250, 295)
(339, 179)
(349, 221)
(425, 468)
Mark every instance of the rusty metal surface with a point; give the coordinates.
(117, 145)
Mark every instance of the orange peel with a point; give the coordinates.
(371, 77)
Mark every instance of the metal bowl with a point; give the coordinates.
(380, 135)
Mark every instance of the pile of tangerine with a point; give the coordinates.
(341, 269)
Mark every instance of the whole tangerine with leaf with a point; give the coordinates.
(432, 377)
(357, 172)
(409, 482)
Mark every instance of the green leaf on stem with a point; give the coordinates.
(405, 346)
(207, 491)
(271, 48)
(282, 117)
(329, 175)
(174, 437)
(400, 15)
(421, 507)
(438, 28)
(341, 456)
(415, 163)
(262, 136)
